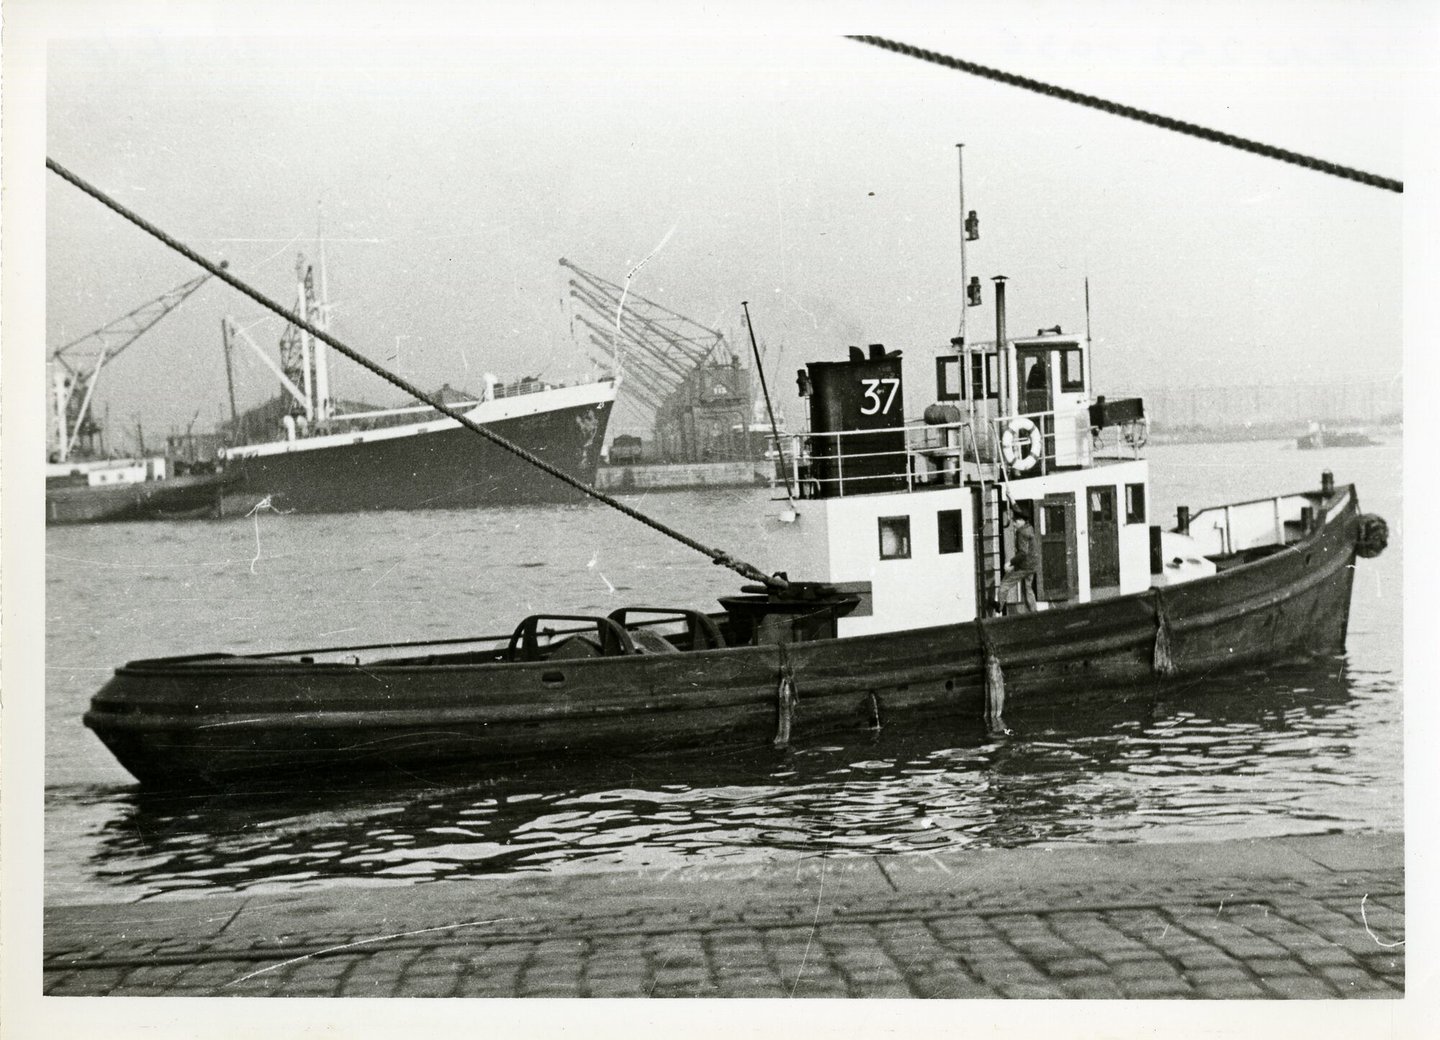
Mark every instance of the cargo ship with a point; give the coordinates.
(415, 458)
(307, 452)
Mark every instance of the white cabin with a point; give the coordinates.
(914, 515)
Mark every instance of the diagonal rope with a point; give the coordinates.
(720, 557)
(1140, 115)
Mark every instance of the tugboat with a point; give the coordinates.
(912, 594)
(922, 593)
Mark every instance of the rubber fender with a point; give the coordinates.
(1374, 536)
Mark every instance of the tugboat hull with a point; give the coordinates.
(217, 717)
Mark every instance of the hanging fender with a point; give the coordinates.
(1373, 536)
(1020, 445)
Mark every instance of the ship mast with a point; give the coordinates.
(969, 287)
(960, 218)
(324, 401)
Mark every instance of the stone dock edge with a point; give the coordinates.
(1309, 917)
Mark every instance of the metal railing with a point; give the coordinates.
(520, 389)
(927, 455)
(1124, 441)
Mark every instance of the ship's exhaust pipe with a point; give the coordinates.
(1001, 348)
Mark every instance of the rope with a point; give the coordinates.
(1162, 657)
(745, 570)
(1139, 115)
(994, 683)
(787, 701)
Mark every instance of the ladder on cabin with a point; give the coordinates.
(992, 554)
(990, 558)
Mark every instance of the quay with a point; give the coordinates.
(681, 476)
(1310, 917)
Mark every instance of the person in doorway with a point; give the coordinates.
(1021, 568)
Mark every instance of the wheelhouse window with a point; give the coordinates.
(948, 381)
(952, 533)
(894, 538)
(1072, 372)
(1134, 503)
(984, 376)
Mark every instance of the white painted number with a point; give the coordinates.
(872, 394)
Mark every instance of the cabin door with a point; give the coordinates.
(1058, 578)
(1104, 539)
(1035, 396)
(1034, 372)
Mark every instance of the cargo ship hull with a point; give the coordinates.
(430, 465)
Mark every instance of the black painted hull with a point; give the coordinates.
(446, 468)
(217, 717)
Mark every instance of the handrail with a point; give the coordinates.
(935, 441)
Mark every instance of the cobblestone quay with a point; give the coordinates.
(1307, 917)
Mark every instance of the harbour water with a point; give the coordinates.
(1299, 748)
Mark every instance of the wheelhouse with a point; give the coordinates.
(915, 516)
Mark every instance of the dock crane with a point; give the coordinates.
(657, 347)
(682, 375)
(75, 368)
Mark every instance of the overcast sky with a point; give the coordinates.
(810, 175)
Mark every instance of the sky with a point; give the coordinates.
(453, 163)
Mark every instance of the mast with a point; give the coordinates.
(964, 281)
(325, 406)
(230, 376)
(765, 389)
(302, 308)
(969, 292)
(965, 363)
(1089, 343)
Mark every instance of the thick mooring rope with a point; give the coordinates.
(1139, 115)
(720, 557)
(994, 683)
(1162, 657)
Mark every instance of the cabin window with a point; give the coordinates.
(984, 376)
(948, 383)
(1052, 518)
(1134, 503)
(952, 533)
(894, 538)
(1072, 372)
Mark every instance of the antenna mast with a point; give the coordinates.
(964, 281)
(764, 387)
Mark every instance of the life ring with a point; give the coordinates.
(1020, 445)
(1373, 536)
